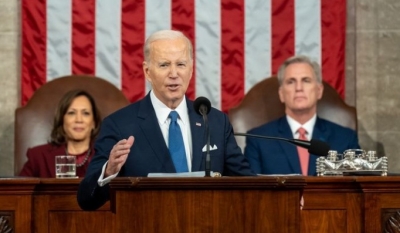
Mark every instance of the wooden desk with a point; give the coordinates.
(367, 204)
(382, 203)
(331, 204)
(16, 204)
(56, 210)
(226, 204)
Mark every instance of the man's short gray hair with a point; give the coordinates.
(161, 35)
(299, 59)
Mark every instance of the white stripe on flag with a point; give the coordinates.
(308, 29)
(58, 51)
(257, 42)
(158, 17)
(259, 46)
(208, 50)
(108, 41)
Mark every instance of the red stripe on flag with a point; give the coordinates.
(33, 73)
(232, 53)
(183, 19)
(333, 30)
(282, 21)
(83, 36)
(34, 38)
(133, 36)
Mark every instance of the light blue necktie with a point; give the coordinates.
(176, 146)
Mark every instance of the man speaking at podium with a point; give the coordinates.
(161, 133)
(300, 87)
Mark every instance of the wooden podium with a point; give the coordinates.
(227, 204)
(352, 204)
(16, 204)
(223, 204)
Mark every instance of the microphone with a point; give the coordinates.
(314, 146)
(202, 106)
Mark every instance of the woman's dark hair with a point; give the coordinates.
(58, 135)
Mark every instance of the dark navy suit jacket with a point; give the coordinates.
(150, 154)
(280, 157)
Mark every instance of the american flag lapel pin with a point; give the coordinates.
(198, 124)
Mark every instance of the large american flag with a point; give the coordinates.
(237, 42)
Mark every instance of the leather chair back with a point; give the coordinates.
(34, 121)
(261, 104)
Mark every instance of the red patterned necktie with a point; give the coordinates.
(304, 156)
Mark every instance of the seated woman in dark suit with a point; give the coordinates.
(76, 124)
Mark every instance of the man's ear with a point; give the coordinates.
(146, 71)
(280, 92)
(320, 90)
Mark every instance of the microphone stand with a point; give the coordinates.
(297, 142)
(208, 159)
(314, 146)
(202, 107)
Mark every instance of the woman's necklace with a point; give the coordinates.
(84, 160)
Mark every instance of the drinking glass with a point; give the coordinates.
(65, 166)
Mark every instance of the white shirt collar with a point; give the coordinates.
(162, 111)
(308, 126)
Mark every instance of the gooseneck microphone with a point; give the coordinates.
(315, 147)
(202, 106)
